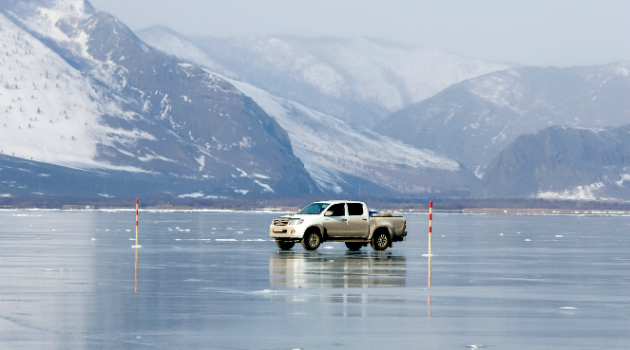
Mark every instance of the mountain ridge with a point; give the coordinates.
(563, 162)
(223, 136)
(342, 157)
(473, 120)
(357, 80)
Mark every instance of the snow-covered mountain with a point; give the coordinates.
(50, 110)
(474, 120)
(574, 163)
(79, 89)
(359, 81)
(341, 157)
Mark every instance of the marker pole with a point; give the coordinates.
(430, 224)
(137, 203)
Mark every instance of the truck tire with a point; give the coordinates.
(380, 240)
(284, 245)
(311, 240)
(354, 245)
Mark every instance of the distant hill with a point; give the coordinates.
(570, 163)
(359, 81)
(340, 157)
(474, 120)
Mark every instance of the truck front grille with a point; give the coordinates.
(281, 222)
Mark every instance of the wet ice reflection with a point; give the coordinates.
(352, 273)
(346, 270)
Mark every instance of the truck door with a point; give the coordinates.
(358, 224)
(336, 224)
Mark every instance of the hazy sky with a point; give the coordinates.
(531, 32)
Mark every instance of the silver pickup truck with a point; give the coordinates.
(338, 221)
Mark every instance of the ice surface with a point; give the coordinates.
(65, 291)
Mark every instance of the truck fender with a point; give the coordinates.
(318, 227)
(389, 228)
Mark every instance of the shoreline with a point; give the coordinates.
(479, 211)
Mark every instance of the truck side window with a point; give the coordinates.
(355, 209)
(338, 210)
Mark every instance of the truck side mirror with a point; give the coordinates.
(328, 213)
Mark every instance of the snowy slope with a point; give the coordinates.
(50, 111)
(332, 150)
(357, 80)
(98, 97)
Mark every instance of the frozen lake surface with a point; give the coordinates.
(215, 280)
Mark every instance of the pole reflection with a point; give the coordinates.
(429, 290)
(136, 270)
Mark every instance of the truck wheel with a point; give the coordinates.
(380, 240)
(311, 240)
(284, 245)
(354, 245)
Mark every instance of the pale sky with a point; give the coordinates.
(531, 32)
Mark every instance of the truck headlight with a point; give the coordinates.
(296, 222)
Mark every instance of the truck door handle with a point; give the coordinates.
(344, 220)
(365, 219)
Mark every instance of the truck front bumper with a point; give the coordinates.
(285, 232)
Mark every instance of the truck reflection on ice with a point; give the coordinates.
(312, 270)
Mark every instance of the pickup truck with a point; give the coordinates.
(338, 221)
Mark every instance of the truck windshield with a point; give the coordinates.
(314, 208)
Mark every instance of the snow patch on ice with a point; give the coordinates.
(266, 291)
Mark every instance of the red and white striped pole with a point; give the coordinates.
(430, 224)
